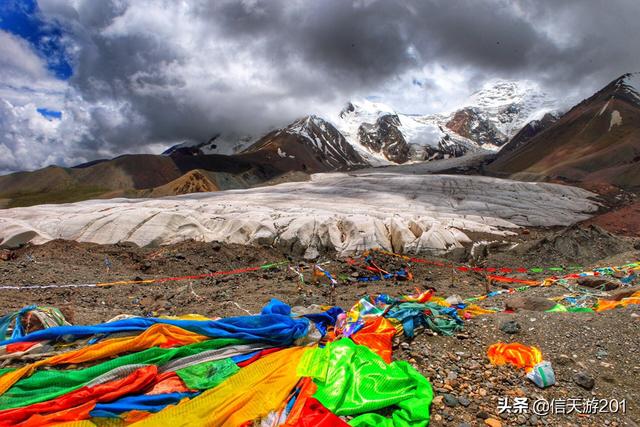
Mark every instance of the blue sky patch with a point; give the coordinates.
(22, 18)
(50, 114)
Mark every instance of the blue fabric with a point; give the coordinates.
(150, 403)
(276, 329)
(243, 357)
(324, 319)
(18, 330)
(444, 320)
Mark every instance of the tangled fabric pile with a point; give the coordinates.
(278, 368)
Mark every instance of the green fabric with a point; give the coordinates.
(314, 364)
(49, 384)
(207, 375)
(580, 310)
(359, 382)
(564, 309)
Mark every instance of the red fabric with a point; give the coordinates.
(61, 408)
(257, 356)
(77, 413)
(315, 415)
(20, 346)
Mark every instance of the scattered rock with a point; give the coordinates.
(464, 401)
(510, 327)
(450, 400)
(482, 415)
(6, 255)
(492, 422)
(584, 380)
(598, 283)
(529, 303)
(563, 360)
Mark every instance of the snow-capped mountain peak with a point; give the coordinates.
(218, 144)
(507, 106)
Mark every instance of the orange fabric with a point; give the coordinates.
(378, 336)
(604, 304)
(157, 335)
(506, 279)
(169, 382)
(515, 354)
(134, 416)
(61, 407)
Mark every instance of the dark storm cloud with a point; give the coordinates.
(319, 51)
(164, 71)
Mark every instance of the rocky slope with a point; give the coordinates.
(596, 142)
(309, 144)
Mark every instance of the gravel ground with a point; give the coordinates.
(603, 347)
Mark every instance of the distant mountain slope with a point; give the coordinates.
(597, 141)
(307, 145)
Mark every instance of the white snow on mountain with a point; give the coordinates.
(489, 118)
(344, 212)
(509, 105)
(226, 144)
(352, 116)
(500, 107)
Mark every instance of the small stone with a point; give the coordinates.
(492, 422)
(510, 327)
(482, 392)
(450, 400)
(530, 303)
(601, 353)
(437, 418)
(599, 283)
(563, 360)
(405, 345)
(533, 420)
(482, 415)
(438, 400)
(464, 401)
(452, 376)
(465, 425)
(584, 380)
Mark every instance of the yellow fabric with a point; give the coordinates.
(475, 310)
(251, 393)
(157, 335)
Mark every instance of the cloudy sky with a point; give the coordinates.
(83, 79)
